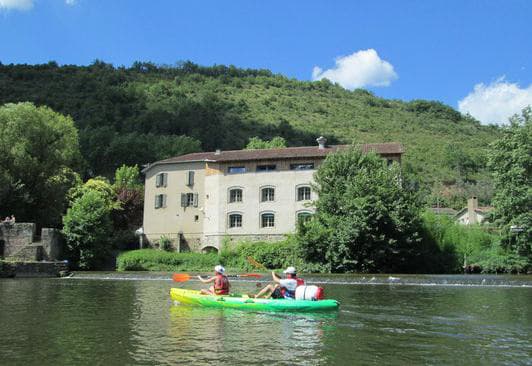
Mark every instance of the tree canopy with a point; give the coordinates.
(365, 219)
(39, 154)
(510, 160)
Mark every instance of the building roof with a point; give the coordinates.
(479, 210)
(391, 148)
(443, 211)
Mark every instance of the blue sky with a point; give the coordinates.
(473, 55)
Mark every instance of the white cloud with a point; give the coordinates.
(24, 5)
(16, 4)
(496, 102)
(360, 69)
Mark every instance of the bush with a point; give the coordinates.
(165, 243)
(156, 260)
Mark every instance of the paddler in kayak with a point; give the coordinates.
(284, 288)
(221, 282)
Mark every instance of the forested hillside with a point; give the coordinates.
(146, 112)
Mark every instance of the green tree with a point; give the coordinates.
(258, 143)
(87, 229)
(39, 153)
(365, 220)
(127, 177)
(510, 161)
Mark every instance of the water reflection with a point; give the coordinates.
(239, 337)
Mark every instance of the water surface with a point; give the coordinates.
(114, 319)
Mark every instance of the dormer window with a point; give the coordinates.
(266, 168)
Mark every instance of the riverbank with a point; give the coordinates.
(10, 269)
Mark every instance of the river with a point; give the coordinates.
(128, 319)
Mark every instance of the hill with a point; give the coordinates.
(148, 112)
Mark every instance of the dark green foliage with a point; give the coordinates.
(510, 160)
(39, 153)
(122, 113)
(365, 220)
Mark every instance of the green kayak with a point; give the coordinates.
(192, 297)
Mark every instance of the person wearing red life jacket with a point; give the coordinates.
(284, 288)
(221, 282)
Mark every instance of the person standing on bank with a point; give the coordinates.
(221, 282)
(283, 288)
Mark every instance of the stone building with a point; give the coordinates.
(473, 214)
(196, 200)
(21, 241)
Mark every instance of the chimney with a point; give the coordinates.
(472, 205)
(217, 152)
(321, 142)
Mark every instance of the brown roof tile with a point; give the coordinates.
(392, 148)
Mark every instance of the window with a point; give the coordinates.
(303, 217)
(235, 195)
(160, 200)
(235, 220)
(302, 166)
(161, 179)
(190, 178)
(267, 194)
(236, 169)
(266, 168)
(267, 220)
(389, 162)
(303, 193)
(189, 199)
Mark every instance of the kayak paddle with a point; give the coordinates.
(183, 277)
(256, 264)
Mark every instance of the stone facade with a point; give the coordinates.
(20, 241)
(198, 200)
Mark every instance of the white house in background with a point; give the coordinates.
(472, 214)
(196, 200)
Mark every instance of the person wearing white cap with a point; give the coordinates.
(221, 282)
(283, 288)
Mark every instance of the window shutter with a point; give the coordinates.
(158, 180)
(163, 203)
(195, 200)
(190, 178)
(183, 200)
(156, 201)
(165, 179)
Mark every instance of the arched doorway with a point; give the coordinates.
(209, 249)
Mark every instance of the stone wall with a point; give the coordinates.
(32, 269)
(20, 241)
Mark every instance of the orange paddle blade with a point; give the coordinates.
(255, 275)
(181, 277)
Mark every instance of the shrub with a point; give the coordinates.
(156, 260)
(165, 243)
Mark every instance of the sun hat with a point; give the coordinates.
(290, 270)
(219, 269)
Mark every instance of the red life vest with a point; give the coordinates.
(300, 281)
(221, 285)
